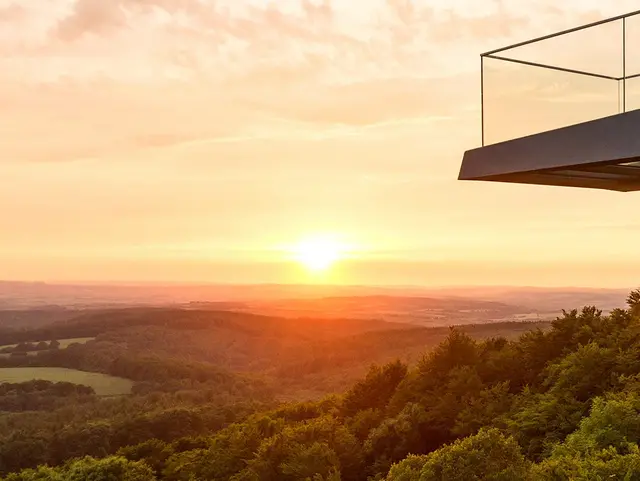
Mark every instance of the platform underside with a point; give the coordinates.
(600, 154)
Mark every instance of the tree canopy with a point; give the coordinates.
(561, 403)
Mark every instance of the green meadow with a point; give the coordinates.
(63, 342)
(103, 384)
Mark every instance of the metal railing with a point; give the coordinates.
(525, 114)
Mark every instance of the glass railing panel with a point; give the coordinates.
(520, 100)
(632, 67)
(596, 49)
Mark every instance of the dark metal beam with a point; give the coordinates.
(614, 169)
(609, 140)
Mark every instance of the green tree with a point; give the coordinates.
(41, 473)
(585, 373)
(229, 452)
(108, 469)
(396, 437)
(483, 409)
(613, 422)
(633, 301)
(308, 461)
(539, 421)
(375, 390)
(458, 350)
(488, 456)
(324, 443)
(604, 465)
(153, 452)
(409, 469)
(363, 422)
(89, 469)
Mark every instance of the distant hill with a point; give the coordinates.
(30, 318)
(425, 311)
(39, 294)
(544, 299)
(420, 306)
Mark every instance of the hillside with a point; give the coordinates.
(418, 310)
(543, 299)
(37, 317)
(306, 357)
(511, 401)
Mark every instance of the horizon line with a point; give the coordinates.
(163, 283)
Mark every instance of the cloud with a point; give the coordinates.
(74, 120)
(99, 17)
(309, 21)
(11, 13)
(322, 12)
(95, 16)
(404, 10)
(369, 102)
(178, 72)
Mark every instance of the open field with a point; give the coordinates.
(63, 342)
(103, 384)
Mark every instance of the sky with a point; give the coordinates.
(199, 140)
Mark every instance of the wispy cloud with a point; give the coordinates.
(11, 13)
(91, 16)
(160, 73)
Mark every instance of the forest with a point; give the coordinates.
(223, 396)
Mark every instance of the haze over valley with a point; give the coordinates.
(413, 305)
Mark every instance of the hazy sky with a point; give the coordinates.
(190, 140)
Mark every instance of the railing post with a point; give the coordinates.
(482, 95)
(624, 64)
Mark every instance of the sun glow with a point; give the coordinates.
(319, 254)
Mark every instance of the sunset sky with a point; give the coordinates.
(198, 140)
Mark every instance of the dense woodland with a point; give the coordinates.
(509, 402)
(306, 358)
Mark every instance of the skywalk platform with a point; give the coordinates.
(563, 110)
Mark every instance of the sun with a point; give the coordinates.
(318, 254)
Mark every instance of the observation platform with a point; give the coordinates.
(572, 122)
